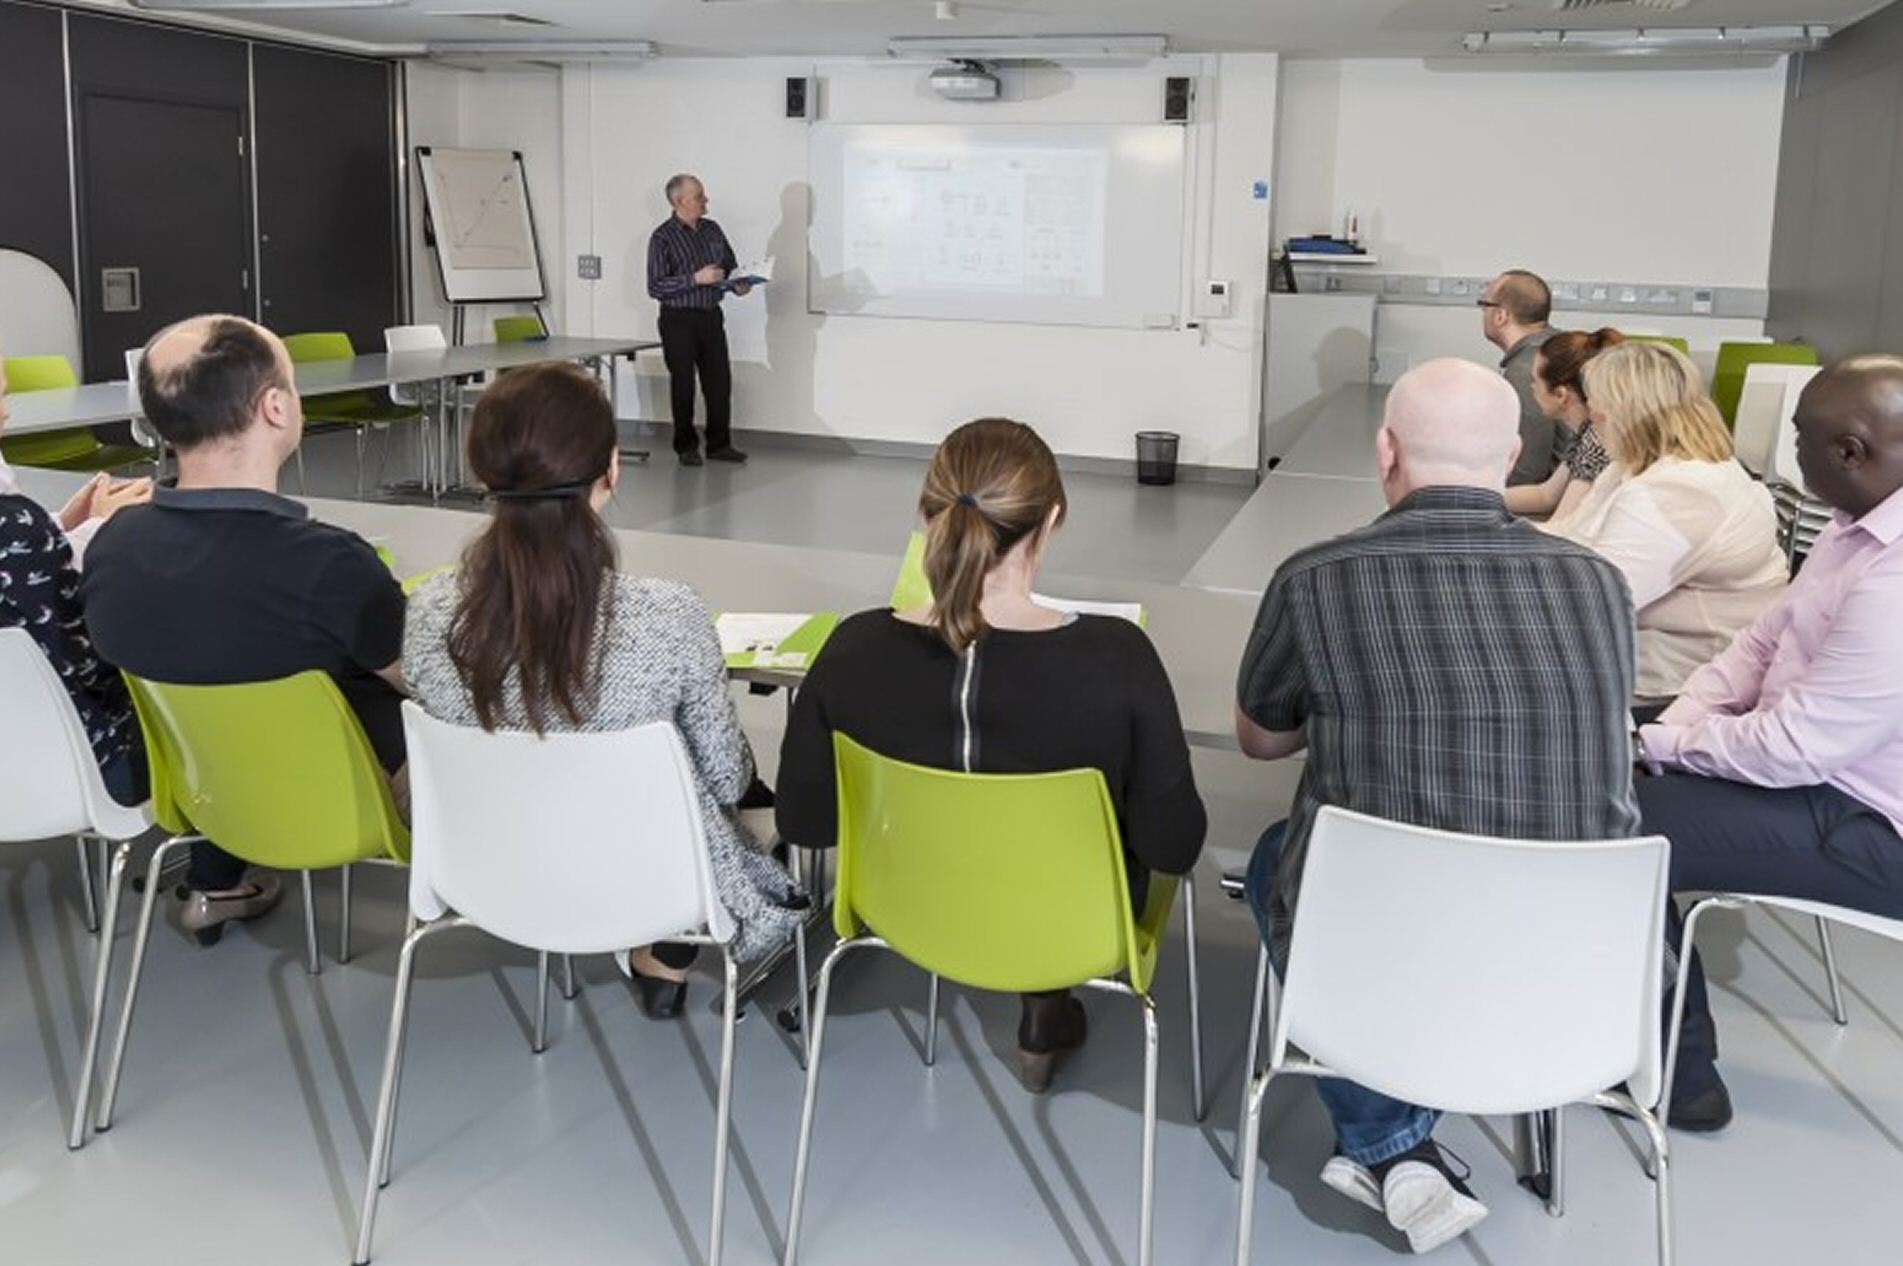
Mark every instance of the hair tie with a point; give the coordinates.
(966, 499)
(554, 492)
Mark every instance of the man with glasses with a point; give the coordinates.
(1513, 312)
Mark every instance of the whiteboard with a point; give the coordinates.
(1065, 225)
(477, 206)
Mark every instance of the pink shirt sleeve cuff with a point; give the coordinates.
(1658, 746)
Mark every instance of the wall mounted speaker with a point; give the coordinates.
(1179, 93)
(799, 98)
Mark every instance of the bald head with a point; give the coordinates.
(209, 379)
(1849, 425)
(1449, 422)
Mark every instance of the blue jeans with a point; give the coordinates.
(1369, 1127)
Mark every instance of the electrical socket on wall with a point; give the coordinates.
(588, 267)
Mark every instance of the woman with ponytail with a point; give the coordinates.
(537, 631)
(1559, 388)
(986, 680)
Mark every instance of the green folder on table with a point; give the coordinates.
(774, 640)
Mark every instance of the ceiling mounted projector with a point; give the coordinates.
(965, 81)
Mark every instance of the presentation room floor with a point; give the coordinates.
(246, 1110)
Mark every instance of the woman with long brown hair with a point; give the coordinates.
(987, 680)
(538, 631)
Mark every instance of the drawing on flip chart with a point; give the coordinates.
(485, 221)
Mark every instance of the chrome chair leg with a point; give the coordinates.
(1837, 1011)
(312, 963)
(1257, 1001)
(803, 1151)
(540, 1041)
(88, 882)
(1556, 1162)
(723, 1107)
(1197, 1102)
(1662, 1181)
(1146, 1215)
(571, 983)
(931, 1022)
(804, 995)
(102, 979)
(402, 1049)
(343, 915)
(1256, 1088)
(140, 939)
(377, 1169)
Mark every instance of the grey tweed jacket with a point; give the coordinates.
(660, 660)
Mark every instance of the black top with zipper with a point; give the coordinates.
(1090, 693)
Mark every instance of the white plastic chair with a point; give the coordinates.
(50, 786)
(1764, 406)
(504, 822)
(1781, 463)
(37, 314)
(1822, 912)
(1475, 975)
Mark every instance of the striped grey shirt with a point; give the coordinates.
(676, 253)
(1454, 668)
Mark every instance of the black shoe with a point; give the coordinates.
(1053, 1024)
(691, 458)
(1705, 1113)
(660, 999)
(727, 453)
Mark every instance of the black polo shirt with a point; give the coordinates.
(216, 586)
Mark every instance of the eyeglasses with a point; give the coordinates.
(1488, 303)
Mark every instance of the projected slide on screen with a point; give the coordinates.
(1027, 220)
(1055, 224)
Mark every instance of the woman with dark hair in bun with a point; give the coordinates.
(986, 680)
(537, 630)
(1559, 386)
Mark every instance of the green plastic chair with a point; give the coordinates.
(1670, 340)
(356, 411)
(278, 773)
(1727, 376)
(519, 329)
(912, 589)
(1010, 882)
(77, 449)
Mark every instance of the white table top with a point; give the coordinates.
(1199, 633)
(99, 403)
(1339, 442)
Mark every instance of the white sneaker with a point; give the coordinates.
(1429, 1204)
(1352, 1179)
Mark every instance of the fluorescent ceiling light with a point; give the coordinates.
(552, 52)
(1006, 48)
(1652, 41)
(206, 6)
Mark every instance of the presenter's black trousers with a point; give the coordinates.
(1813, 843)
(695, 339)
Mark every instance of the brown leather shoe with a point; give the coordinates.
(206, 913)
(1053, 1025)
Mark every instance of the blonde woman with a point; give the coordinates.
(1694, 535)
(986, 680)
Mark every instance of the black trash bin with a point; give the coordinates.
(1156, 457)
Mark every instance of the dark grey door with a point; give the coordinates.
(163, 190)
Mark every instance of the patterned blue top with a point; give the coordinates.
(39, 591)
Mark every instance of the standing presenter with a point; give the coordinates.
(689, 262)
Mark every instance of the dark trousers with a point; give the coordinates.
(1812, 843)
(695, 339)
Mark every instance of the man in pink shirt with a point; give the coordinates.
(1781, 763)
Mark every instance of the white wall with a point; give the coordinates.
(1658, 176)
(625, 130)
(490, 109)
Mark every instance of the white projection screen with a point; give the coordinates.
(1057, 225)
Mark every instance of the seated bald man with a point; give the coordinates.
(1522, 733)
(1782, 759)
(220, 580)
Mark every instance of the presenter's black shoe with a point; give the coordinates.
(727, 454)
(691, 457)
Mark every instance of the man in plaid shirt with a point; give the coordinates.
(1447, 666)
